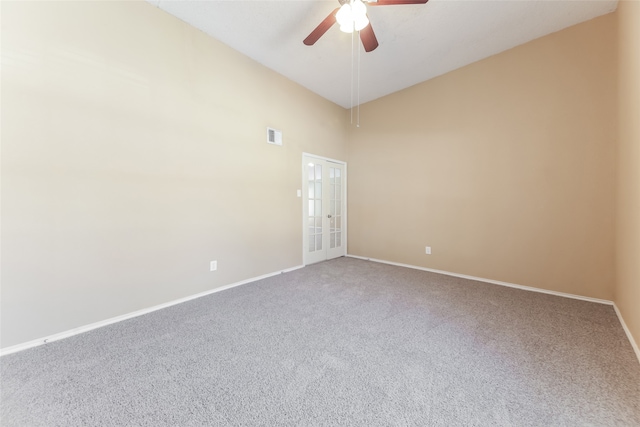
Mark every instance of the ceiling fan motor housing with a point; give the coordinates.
(368, 37)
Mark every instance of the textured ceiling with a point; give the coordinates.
(417, 42)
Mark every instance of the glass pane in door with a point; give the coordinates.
(335, 207)
(315, 206)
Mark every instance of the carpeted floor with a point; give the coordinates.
(344, 342)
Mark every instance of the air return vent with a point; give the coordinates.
(274, 136)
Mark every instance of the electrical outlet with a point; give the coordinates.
(213, 265)
(427, 250)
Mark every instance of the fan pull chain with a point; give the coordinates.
(358, 119)
(352, 78)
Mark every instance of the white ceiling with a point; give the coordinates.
(417, 42)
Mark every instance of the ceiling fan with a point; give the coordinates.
(352, 16)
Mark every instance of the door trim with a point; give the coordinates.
(346, 210)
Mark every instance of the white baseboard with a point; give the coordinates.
(628, 332)
(86, 328)
(513, 285)
(495, 282)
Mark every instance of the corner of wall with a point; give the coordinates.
(627, 285)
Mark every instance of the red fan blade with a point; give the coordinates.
(368, 37)
(321, 29)
(392, 2)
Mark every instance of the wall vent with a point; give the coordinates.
(274, 136)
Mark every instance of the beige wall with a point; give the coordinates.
(627, 292)
(505, 167)
(133, 153)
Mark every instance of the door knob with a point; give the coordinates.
(329, 216)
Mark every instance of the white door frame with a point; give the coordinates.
(306, 196)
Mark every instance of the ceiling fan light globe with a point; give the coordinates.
(361, 23)
(348, 28)
(344, 15)
(358, 9)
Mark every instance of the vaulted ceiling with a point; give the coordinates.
(417, 42)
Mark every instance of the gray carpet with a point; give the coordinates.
(345, 342)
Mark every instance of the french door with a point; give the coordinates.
(324, 213)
